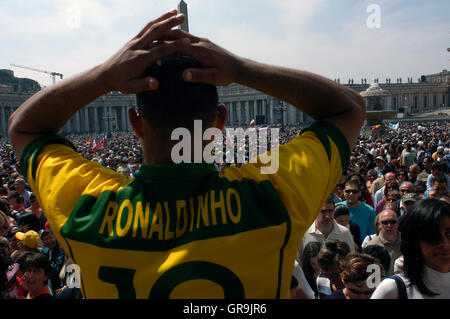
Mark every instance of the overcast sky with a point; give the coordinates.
(334, 38)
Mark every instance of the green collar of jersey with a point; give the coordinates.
(165, 171)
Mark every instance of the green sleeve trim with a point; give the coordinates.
(324, 130)
(31, 151)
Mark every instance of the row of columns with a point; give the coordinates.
(441, 99)
(91, 119)
(86, 120)
(242, 112)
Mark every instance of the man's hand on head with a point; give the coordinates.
(123, 71)
(221, 67)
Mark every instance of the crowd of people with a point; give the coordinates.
(367, 220)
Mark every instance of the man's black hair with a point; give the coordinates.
(37, 261)
(177, 103)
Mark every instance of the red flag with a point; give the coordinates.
(100, 144)
(252, 122)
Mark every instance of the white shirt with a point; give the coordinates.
(339, 232)
(435, 281)
(300, 276)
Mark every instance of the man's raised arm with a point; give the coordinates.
(47, 111)
(317, 96)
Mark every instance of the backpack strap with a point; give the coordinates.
(401, 288)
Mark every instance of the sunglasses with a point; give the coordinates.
(389, 222)
(357, 292)
(329, 211)
(353, 191)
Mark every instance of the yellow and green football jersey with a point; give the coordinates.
(185, 230)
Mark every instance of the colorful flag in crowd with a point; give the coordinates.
(393, 126)
(252, 122)
(96, 147)
(374, 127)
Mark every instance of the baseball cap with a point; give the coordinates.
(30, 238)
(410, 197)
(380, 158)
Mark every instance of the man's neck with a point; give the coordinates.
(354, 205)
(325, 230)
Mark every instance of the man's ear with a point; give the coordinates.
(221, 118)
(136, 122)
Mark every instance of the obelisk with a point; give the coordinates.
(182, 8)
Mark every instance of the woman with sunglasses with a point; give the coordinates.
(425, 247)
(354, 275)
(402, 174)
(16, 202)
(389, 188)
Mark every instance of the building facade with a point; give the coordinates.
(110, 112)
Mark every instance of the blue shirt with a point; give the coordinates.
(363, 216)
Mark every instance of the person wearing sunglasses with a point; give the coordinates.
(425, 248)
(402, 174)
(240, 214)
(354, 275)
(360, 213)
(389, 237)
(390, 187)
(380, 194)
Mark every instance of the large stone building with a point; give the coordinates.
(429, 93)
(110, 112)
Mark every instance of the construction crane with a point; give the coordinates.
(53, 74)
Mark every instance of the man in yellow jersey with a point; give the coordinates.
(184, 230)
